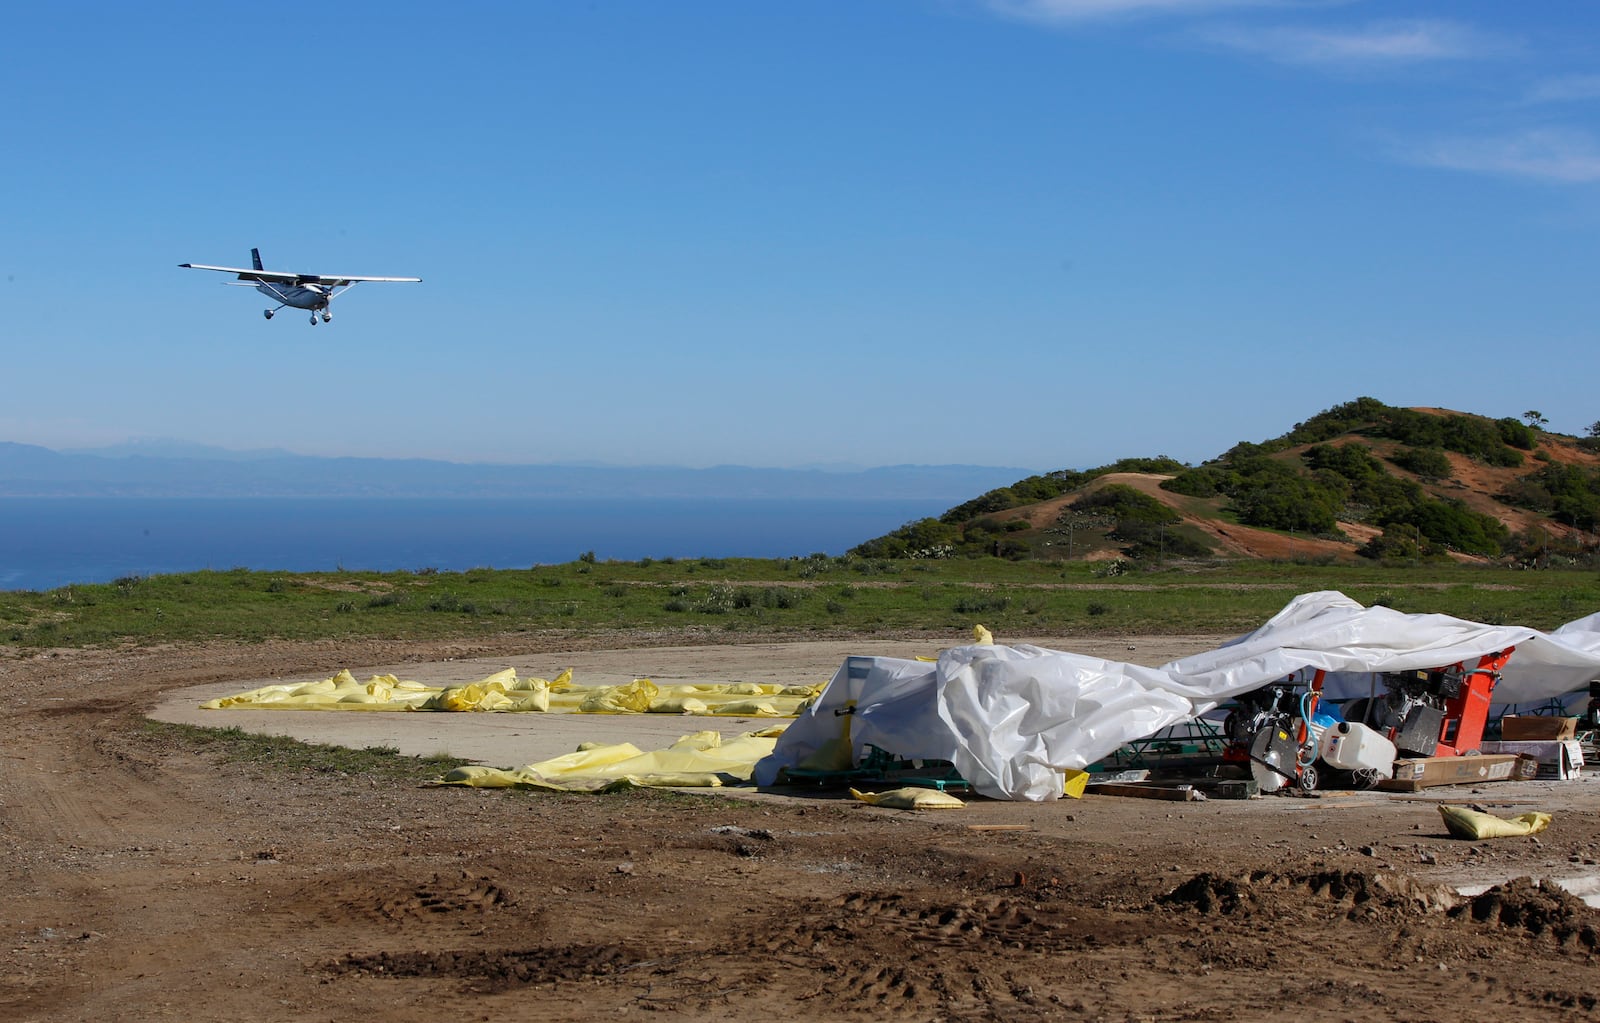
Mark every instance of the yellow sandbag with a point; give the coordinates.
(699, 760)
(480, 778)
(368, 698)
(537, 701)
(1475, 824)
(678, 705)
(748, 709)
(982, 636)
(633, 698)
(494, 700)
(669, 780)
(459, 698)
(910, 799)
(536, 683)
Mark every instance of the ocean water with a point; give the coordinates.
(50, 542)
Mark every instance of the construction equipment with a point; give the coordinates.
(1434, 712)
(1274, 735)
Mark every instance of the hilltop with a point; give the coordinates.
(1360, 481)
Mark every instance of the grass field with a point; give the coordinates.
(797, 596)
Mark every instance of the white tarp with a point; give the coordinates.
(1012, 719)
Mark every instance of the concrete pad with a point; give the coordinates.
(514, 740)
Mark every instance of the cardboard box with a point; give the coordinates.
(1536, 728)
(1426, 772)
(1558, 759)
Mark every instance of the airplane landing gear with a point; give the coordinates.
(268, 313)
(327, 317)
(313, 319)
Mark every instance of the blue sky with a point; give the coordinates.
(1039, 233)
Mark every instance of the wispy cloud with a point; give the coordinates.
(1379, 44)
(1545, 154)
(1566, 89)
(1064, 11)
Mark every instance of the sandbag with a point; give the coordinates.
(910, 799)
(1476, 825)
(633, 698)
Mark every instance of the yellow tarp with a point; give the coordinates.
(700, 760)
(504, 692)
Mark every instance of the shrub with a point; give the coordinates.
(1428, 463)
(1206, 481)
(1125, 504)
(1293, 503)
(1400, 542)
(1452, 525)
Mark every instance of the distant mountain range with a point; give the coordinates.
(171, 469)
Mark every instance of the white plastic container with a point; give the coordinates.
(1352, 746)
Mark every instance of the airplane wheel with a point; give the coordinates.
(313, 319)
(267, 313)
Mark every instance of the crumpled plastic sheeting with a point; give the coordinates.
(1013, 719)
(700, 760)
(504, 692)
(1353, 644)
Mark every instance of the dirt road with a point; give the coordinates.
(145, 881)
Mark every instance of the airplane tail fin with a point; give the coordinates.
(255, 259)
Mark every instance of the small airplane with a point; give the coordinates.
(302, 291)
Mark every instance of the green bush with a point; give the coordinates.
(1428, 463)
(1290, 503)
(1205, 481)
(1452, 525)
(1124, 504)
(1569, 494)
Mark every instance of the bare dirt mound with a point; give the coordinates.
(1541, 908)
(1357, 893)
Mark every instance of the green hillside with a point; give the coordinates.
(1362, 481)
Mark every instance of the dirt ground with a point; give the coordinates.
(146, 881)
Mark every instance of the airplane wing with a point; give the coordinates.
(337, 281)
(287, 277)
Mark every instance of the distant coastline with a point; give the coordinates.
(49, 542)
(29, 471)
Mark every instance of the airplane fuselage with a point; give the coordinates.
(300, 296)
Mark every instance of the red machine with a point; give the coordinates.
(1437, 712)
(1427, 712)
